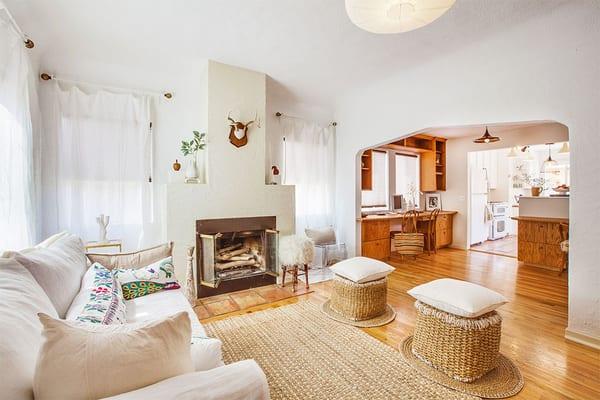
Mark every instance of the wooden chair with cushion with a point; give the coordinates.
(409, 242)
(431, 231)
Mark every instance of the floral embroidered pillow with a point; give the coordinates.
(143, 281)
(100, 299)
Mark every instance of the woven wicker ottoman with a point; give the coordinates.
(463, 348)
(359, 294)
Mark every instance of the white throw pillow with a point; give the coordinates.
(100, 300)
(362, 269)
(21, 299)
(456, 297)
(85, 361)
(58, 269)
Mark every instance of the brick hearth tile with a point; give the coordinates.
(221, 307)
(213, 299)
(201, 312)
(272, 294)
(247, 299)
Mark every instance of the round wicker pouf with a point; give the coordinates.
(359, 304)
(465, 349)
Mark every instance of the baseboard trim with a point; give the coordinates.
(582, 339)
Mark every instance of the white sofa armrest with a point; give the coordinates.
(243, 380)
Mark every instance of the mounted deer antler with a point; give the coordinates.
(238, 133)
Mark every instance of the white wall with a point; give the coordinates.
(279, 100)
(235, 176)
(546, 68)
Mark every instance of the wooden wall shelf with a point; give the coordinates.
(366, 170)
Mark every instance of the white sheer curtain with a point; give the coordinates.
(18, 142)
(309, 165)
(98, 162)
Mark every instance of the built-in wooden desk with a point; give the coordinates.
(539, 241)
(375, 232)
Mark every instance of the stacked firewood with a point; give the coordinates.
(240, 255)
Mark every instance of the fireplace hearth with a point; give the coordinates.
(235, 254)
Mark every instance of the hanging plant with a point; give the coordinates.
(193, 146)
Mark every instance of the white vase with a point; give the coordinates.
(191, 172)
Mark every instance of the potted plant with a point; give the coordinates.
(191, 148)
(537, 185)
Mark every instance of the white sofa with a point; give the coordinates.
(22, 298)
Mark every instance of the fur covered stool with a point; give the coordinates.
(359, 295)
(295, 254)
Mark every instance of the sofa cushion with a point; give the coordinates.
(362, 269)
(21, 298)
(206, 352)
(100, 300)
(58, 269)
(137, 282)
(457, 297)
(84, 361)
(136, 259)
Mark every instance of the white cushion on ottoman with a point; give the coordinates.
(362, 269)
(456, 297)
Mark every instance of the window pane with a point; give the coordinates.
(407, 176)
(377, 199)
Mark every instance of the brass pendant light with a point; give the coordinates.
(487, 138)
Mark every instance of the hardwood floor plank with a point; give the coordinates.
(533, 325)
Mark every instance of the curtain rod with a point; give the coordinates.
(47, 77)
(279, 114)
(26, 41)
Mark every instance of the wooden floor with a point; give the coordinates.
(533, 322)
(506, 246)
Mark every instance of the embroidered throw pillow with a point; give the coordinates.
(142, 281)
(100, 300)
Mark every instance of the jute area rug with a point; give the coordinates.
(306, 355)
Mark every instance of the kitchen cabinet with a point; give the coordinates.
(539, 241)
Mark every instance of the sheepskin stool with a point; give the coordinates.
(295, 252)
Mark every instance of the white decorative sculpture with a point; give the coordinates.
(190, 287)
(103, 221)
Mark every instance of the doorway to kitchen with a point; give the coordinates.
(500, 178)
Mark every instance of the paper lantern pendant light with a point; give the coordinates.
(395, 16)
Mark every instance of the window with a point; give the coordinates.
(377, 199)
(407, 176)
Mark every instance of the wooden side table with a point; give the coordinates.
(101, 245)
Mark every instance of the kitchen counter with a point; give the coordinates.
(544, 207)
(542, 219)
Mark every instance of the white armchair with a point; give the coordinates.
(327, 250)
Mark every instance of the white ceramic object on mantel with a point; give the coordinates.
(191, 172)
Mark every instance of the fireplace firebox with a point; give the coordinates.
(235, 254)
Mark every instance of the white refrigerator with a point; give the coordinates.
(480, 225)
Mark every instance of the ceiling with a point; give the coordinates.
(309, 48)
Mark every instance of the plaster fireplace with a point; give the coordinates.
(234, 206)
(235, 254)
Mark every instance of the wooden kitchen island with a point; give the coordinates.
(539, 241)
(376, 232)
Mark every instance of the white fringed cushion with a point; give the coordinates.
(362, 269)
(457, 297)
(294, 250)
